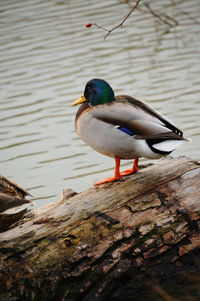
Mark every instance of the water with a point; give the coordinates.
(47, 55)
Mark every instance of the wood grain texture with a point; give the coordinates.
(106, 242)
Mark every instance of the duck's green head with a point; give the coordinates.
(97, 91)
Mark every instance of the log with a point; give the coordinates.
(110, 242)
(13, 203)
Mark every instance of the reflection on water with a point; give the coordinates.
(47, 56)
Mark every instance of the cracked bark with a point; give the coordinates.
(109, 242)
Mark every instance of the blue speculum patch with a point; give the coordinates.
(125, 130)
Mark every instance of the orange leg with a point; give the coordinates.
(129, 171)
(117, 174)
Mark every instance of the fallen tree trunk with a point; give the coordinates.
(13, 203)
(108, 242)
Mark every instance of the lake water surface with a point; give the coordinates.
(46, 57)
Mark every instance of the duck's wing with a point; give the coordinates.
(148, 109)
(138, 118)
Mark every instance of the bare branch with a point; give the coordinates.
(159, 16)
(100, 27)
(190, 17)
(162, 16)
(117, 26)
(125, 18)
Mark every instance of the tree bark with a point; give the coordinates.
(109, 242)
(13, 203)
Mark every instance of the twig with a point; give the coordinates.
(100, 27)
(161, 16)
(117, 26)
(125, 18)
(190, 17)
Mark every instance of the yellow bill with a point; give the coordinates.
(78, 101)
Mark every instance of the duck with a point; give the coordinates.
(123, 127)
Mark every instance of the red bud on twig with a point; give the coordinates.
(89, 25)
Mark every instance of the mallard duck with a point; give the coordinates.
(123, 127)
